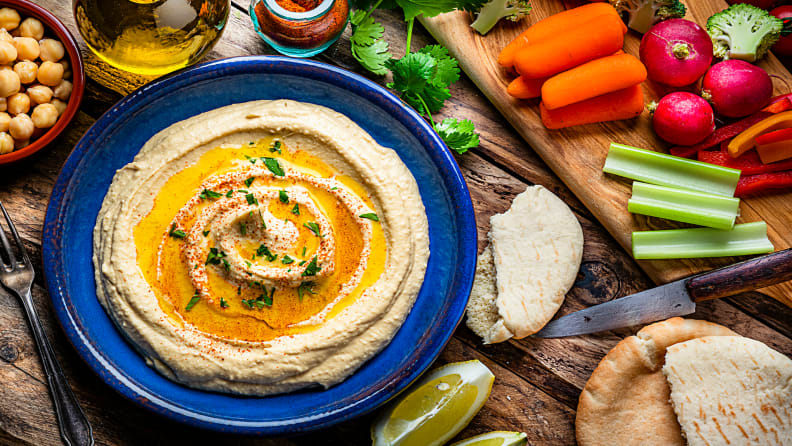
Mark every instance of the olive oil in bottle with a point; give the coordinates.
(150, 37)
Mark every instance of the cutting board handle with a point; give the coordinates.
(745, 276)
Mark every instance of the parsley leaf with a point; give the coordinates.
(312, 268)
(263, 251)
(206, 232)
(431, 8)
(223, 303)
(249, 181)
(229, 193)
(286, 260)
(268, 298)
(313, 227)
(417, 78)
(274, 166)
(176, 233)
(370, 216)
(447, 67)
(367, 44)
(305, 286)
(251, 199)
(206, 193)
(214, 256)
(458, 135)
(276, 147)
(243, 228)
(296, 209)
(194, 300)
(283, 196)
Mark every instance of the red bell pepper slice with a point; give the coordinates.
(748, 163)
(763, 182)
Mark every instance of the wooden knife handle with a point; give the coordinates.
(744, 276)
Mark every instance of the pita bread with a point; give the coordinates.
(730, 390)
(482, 312)
(625, 401)
(537, 247)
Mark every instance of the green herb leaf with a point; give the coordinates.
(283, 196)
(367, 44)
(286, 260)
(274, 166)
(248, 303)
(263, 224)
(263, 251)
(230, 193)
(223, 303)
(458, 135)
(312, 268)
(313, 227)
(214, 256)
(243, 228)
(268, 299)
(370, 216)
(296, 209)
(193, 300)
(251, 159)
(276, 147)
(251, 199)
(176, 233)
(226, 265)
(249, 181)
(416, 78)
(431, 8)
(305, 248)
(303, 288)
(206, 194)
(206, 233)
(447, 71)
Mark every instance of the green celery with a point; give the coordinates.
(698, 208)
(668, 170)
(744, 239)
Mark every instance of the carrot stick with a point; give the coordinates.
(553, 25)
(594, 78)
(622, 104)
(524, 88)
(597, 38)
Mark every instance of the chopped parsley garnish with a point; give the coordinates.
(194, 300)
(313, 227)
(226, 265)
(206, 232)
(296, 209)
(370, 216)
(239, 290)
(249, 181)
(302, 263)
(334, 188)
(206, 194)
(263, 225)
(248, 302)
(305, 287)
(251, 199)
(248, 264)
(229, 193)
(263, 251)
(283, 196)
(312, 268)
(223, 303)
(251, 159)
(274, 166)
(243, 228)
(251, 143)
(305, 248)
(276, 147)
(243, 191)
(214, 256)
(268, 298)
(176, 233)
(286, 260)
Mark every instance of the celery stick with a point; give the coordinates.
(698, 208)
(668, 170)
(744, 239)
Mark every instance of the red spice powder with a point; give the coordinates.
(298, 5)
(306, 34)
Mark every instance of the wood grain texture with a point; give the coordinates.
(537, 381)
(577, 154)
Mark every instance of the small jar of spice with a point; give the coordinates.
(301, 28)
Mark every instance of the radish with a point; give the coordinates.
(676, 52)
(737, 88)
(682, 118)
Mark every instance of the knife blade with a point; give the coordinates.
(677, 298)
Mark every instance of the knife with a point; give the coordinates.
(674, 299)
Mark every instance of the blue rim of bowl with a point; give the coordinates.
(436, 149)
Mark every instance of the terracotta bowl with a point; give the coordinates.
(52, 26)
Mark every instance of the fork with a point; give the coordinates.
(17, 277)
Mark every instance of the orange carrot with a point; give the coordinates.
(553, 25)
(594, 78)
(593, 39)
(524, 88)
(622, 104)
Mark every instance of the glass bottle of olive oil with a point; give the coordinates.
(150, 37)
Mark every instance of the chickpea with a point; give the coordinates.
(44, 116)
(9, 18)
(5, 36)
(50, 73)
(3, 104)
(18, 103)
(27, 48)
(65, 63)
(63, 90)
(8, 52)
(27, 71)
(21, 127)
(51, 50)
(60, 105)
(39, 94)
(5, 119)
(9, 83)
(6, 143)
(31, 27)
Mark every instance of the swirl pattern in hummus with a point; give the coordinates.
(261, 248)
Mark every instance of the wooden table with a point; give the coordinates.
(537, 381)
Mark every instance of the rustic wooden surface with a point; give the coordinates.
(577, 154)
(537, 381)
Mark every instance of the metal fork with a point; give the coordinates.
(16, 275)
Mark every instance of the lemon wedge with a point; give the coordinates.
(436, 408)
(496, 438)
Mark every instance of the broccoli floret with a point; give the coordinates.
(642, 14)
(494, 10)
(743, 32)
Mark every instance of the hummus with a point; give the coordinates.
(261, 248)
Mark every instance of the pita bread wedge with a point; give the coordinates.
(482, 312)
(730, 390)
(625, 401)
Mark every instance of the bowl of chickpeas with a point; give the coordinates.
(41, 79)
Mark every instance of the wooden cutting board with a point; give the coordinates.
(577, 154)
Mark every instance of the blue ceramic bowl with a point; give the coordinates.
(118, 135)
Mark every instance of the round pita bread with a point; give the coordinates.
(625, 401)
(730, 390)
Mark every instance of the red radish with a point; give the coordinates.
(676, 52)
(736, 88)
(784, 46)
(683, 118)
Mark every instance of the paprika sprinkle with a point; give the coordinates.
(301, 28)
